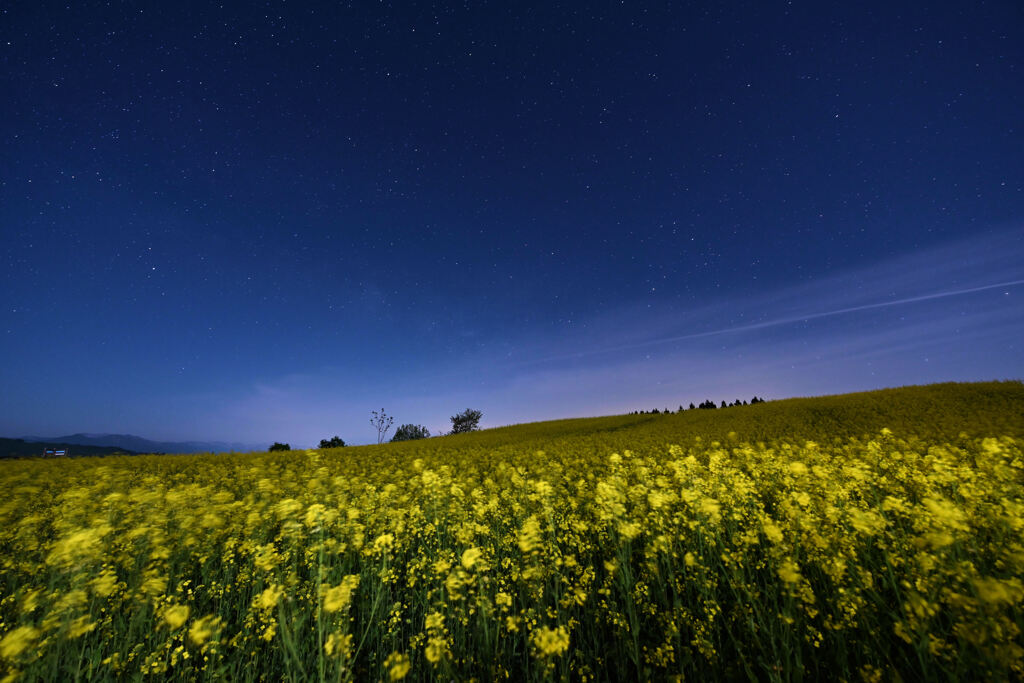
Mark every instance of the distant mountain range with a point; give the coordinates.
(139, 445)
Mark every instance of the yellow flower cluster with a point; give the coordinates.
(339, 597)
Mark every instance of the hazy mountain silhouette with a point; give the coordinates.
(141, 445)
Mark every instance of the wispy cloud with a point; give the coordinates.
(992, 263)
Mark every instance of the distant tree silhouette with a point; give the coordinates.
(466, 421)
(382, 423)
(409, 432)
(278, 446)
(707, 404)
(333, 442)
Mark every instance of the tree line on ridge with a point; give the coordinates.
(706, 405)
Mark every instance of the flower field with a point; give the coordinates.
(872, 536)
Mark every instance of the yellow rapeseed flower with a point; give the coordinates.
(17, 641)
(550, 642)
(153, 585)
(339, 597)
(314, 513)
(946, 513)
(287, 508)
(866, 522)
(789, 571)
(629, 530)
(338, 642)
(267, 557)
(772, 531)
(104, 584)
(203, 629)
(529, 535)
(269, 598)
(436, 648)
(383, 543)
(939, 539)
(711, 508)
(175, 616)
(397, 665)
(80, 626)
(996, 592)
(78, 547)
(470, 557)
(658, 499)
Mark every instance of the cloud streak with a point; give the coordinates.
(789, 320)
(973, 267)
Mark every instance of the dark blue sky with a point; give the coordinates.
(263, 220)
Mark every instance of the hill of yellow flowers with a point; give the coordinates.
(873, 536)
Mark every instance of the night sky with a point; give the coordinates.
(261, 221)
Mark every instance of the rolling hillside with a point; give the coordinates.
(938, 412)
